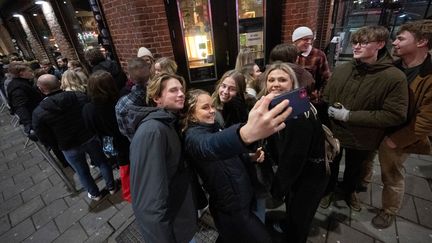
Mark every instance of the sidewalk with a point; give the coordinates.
(35, 205)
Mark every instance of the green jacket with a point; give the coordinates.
(376, 95)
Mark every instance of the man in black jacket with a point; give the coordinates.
(23, 97)
(58, 119)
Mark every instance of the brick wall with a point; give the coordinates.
(53, 23)
(36, 47)
(323, 35)
(136, 23)
(298, 13)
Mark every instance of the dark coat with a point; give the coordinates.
(377, 97)
(300, 142)
(23, 99)
(58, 118)
(100, 119)
(114, 69)
(160, 180)
(216, 155)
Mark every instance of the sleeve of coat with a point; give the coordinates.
(419, 126)
(215, 146)
(43, 132)
(393, 112)
(149, 184)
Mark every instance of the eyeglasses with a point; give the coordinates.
(361, 43)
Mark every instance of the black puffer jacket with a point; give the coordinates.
(58, 118)
(216, 155)
(23, 99)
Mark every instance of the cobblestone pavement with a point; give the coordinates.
(36, 206)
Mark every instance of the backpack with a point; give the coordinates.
(331, 144)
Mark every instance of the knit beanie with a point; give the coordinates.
(301, 32)
(142, 51)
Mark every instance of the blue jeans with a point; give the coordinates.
(77, 159)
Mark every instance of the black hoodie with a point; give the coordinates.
(114, 69)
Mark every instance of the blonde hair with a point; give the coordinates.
(167, 65)
(71, 81)
(284, 67)
(245, 56)
(190, 106)
(156, 85)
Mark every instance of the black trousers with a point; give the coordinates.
(303, 200)
(239, 226)
(354, 160)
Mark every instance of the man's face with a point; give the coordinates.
(60, 63)
(46, 67)
(404, 44)
(172, 97)
(367, 52)
(304, 43)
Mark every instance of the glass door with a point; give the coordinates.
(197, 32)
(251, 24)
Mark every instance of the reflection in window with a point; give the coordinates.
(251, 27)
(196, 25)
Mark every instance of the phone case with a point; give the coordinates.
(298, 100)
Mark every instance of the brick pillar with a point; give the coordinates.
(53, 24)
(6, 44)
(298, 13)
(324, 23)
(37, 47)
(137, 23)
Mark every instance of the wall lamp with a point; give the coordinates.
(17, 15)
(40, 2)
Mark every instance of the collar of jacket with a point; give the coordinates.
(426, 67)
(55, 92)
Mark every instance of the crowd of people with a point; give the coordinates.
(181, 152)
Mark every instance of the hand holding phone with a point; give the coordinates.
(298, 100)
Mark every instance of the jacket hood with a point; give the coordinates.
(59, 101)
(384, 61)
(139, 114)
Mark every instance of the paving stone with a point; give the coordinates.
(318, 229)
(20, 161)
(74, 234)
(56, 192)
(98, 216)
(424, 209)
(49, 212)
(13, 149)
(361, 221)
(376, 195)
(408, 209)
(74, 198)
(45, 173)
(118, 201)
(4, 225)
(425, 157)
(36, 190)
(26, 173)
(19, 232)
(409, 232)
(26, 210)
(32, 161)
(418, 187)
(72, 215)
(55, 179)
(9, 205)
(7, 183)
(342, 233)
(338, 210)
(10, 172)
(418, 167)
(121, 216)
(101, 234)
(17, 188)
(45, 234)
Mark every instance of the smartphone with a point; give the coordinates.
(298, 100)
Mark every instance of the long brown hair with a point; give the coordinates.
(240, 86)
(102, 88)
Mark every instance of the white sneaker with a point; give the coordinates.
(95, 198)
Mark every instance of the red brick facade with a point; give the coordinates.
(137, 23)
(298, 13)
